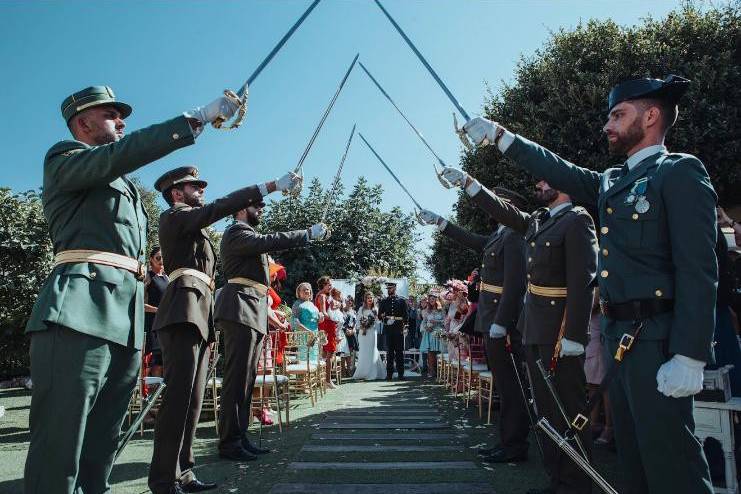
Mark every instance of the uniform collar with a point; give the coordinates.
(554, 211)
(644, 153)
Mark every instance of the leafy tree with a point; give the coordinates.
(364, 237)
(559, 99)
(25, 260)
(153, 209)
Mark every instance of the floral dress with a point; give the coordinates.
(433, 321)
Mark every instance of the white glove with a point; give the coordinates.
(426, 217)
(681, 376)
(389, 321)
(497, 331)
(320, 232)
(288, 182)
(455, 176)
(220, 107)
(481, 131)
(570, 348)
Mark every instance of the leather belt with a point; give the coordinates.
(395, 318)
(547, 291)
(100, 257)
(490, 288)
(263, 289)
(635, 310)
(194, 273)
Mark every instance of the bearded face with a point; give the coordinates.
(544, 193)
(624, 129)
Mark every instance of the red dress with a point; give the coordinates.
(328, 326)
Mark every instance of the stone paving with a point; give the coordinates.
(408, 437)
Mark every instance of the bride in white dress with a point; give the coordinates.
(370, 366)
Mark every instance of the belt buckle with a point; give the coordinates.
(579, 422)
(141, 271)
(626, 342)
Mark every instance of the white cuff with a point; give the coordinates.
(505, 141)
(473, 188)
(689, 362)
(441, 226)
(263, 189)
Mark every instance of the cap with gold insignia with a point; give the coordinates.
(181, 175)
(670, 89)
(90, 97)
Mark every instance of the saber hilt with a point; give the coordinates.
(241, 102)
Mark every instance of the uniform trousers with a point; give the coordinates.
(654, 433)
(514, 425)
(570, 383)
(242, 349)
(81, 390)
(185, 354)
(394, 350)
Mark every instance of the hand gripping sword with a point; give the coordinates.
(240, 97)
(336, 181)
(439, 173)
(299, 167)
(392, 174)
(461, 133)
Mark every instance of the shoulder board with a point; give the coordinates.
(66, 148)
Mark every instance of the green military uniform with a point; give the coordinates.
(500, 301)
(241, 315)
(184, 323)
(561, 252)
(656, 263)
(87, 325)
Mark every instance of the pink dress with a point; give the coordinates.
(594, 363)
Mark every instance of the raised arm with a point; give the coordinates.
(246, 241)
(503, 211)
(469, 239)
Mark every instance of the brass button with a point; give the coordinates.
(609, 210)
(529, 259)
(604, 230)
(528, 276)
(496, 300)
(553, 302)
(482, 265)
(176, 136)
(93, 275)
(604, 252)
(492, 254)
(547, 244)
(659, 293)
(604, 273)
(634, 216)
(532, 244)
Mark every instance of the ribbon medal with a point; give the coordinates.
(637, 191)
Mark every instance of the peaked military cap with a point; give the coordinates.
(670, 89)
(90, 97)
(516, 199)
(181, 175)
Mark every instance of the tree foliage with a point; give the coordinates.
(25, 261)
(364, 237)
(559, 99)
(153, 209)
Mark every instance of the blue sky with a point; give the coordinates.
(166, 57)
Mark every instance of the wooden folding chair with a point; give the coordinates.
(302, 369)
(272, 383)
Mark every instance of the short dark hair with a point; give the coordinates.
(167, 193)
(669, 110)
(154, 250)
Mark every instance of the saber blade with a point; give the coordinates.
(424, 62)
(276, 48)
(146, 407)
(336, 181)
(326, 114)
(390, 171)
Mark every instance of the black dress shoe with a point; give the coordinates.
(237, 454)
(501, 456)
(196, 485)
(250, 448)
(489, 451)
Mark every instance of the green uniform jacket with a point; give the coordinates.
(561, 251)
(665, 252)
(243, 254)
(185, 243)
(90, 204)
(502, 264)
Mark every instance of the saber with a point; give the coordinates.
(336, 181)
(442, 180)
(148, 404)
(572, 426)
(390, 171)
(240, 96)
(464, 113)
(299, 166)
(530, 415)
(563, 443)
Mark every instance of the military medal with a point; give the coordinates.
(642, 205)
(630, 199)
(637, 191)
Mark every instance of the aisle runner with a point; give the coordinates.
(372, 436)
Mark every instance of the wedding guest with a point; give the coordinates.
(306, 317)
(595, 369)
(327, 325)
(349, 326)
(155, 283)
(433, 323)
